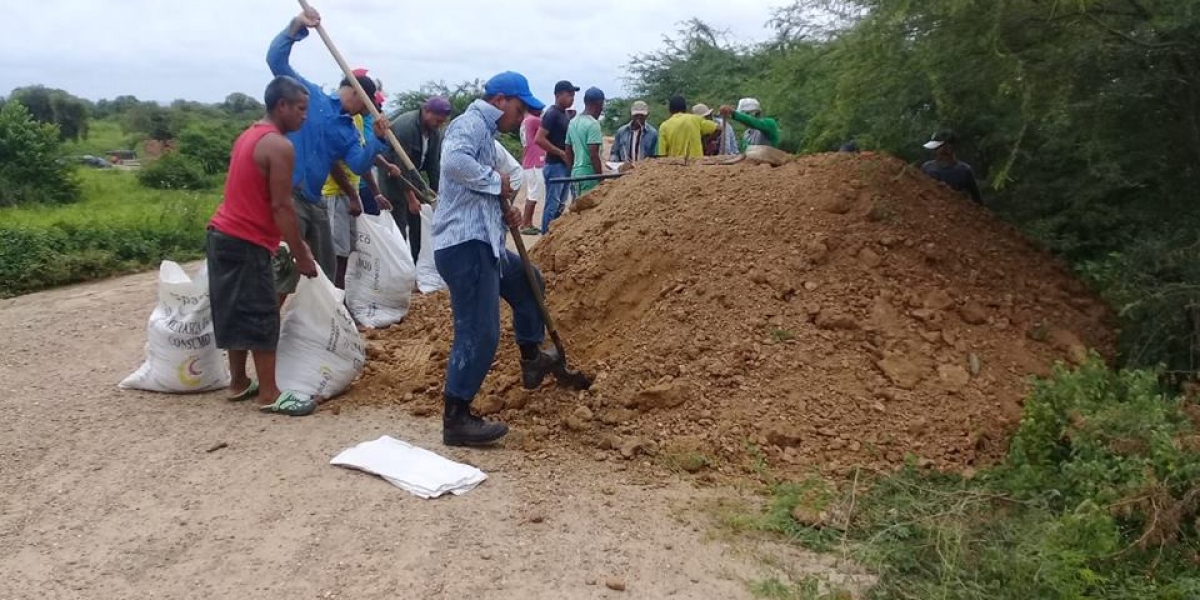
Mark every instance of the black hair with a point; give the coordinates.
(677, 104)
(368, 85)
(283, 89)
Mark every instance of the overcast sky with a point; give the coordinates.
(168, 49)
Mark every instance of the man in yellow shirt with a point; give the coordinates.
(343, 206)
(683, 133)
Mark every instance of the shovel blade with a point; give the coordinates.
(571, 378)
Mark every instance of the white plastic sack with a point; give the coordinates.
(320, 350)
(428, 278)
(181, 353)
(380, 273)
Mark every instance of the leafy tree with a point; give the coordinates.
(242, 105)
(32, 168)
(150, 120)
(175, 171)
(209, 145)
(461, 96)
(117, 106)
(47, 105)
(1082, 118)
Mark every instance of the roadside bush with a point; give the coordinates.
(34, 259)
(1097, 500)
(32, 169)
(174, 171)
(209, 145)
(119, 227)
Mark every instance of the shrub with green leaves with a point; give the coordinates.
(120, 226)
(175, 171)
(32, 166)
(209, 145)
(1097, 500)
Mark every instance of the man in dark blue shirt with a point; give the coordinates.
(552, 137)
(946, 168)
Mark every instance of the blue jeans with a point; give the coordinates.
(477, 281)
(556, 193)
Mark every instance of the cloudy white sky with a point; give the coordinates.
(168, 49)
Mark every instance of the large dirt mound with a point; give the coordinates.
(839, 310)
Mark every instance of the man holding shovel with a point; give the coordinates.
(328, 136)
(470, 254)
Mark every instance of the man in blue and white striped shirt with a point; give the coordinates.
(468, 233)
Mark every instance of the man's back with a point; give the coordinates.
(245, 210)
(957, 176)
(584, 131)
(681, 135)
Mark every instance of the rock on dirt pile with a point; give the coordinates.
(835, 311)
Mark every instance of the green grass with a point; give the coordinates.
(119, 227)
(1098, 499)
(103, 136)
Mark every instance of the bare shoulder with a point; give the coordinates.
(274, 146)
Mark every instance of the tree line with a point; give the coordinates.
(1082, 119)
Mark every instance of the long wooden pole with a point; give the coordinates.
(414, 178)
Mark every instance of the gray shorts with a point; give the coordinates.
(313, 219)
(341, 224)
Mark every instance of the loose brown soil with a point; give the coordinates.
(835, 311)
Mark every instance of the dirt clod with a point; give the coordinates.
(615, 584)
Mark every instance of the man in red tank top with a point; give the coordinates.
(255, 214)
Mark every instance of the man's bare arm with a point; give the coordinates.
(543, 142)
(277, 157)
(597, 165)
(338, 173)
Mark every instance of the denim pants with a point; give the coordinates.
(556, 193)
(477, 281)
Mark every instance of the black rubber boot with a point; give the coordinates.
(533, 372)
(462, 428)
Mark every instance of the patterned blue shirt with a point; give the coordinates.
(468, 201)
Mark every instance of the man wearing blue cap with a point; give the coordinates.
(468, 234)
(584, 138)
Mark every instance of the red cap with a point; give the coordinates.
(359, 72)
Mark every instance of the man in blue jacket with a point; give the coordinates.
(328, 136)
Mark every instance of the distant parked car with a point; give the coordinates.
(94, 161)
(121, 156)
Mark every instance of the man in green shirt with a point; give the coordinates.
(762, 131)
(584, 139)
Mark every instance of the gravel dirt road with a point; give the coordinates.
(108, 494)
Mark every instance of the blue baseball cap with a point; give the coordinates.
(510, 83)
(593, 94)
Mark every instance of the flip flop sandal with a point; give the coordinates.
(531, 231)
(292, 405)
(247, 393)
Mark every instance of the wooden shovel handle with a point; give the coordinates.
(411, 170)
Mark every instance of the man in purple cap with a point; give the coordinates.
(420, 134)
(469, 250)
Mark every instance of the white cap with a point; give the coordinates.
(748, 105)
(639, 108)
(701, 110)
